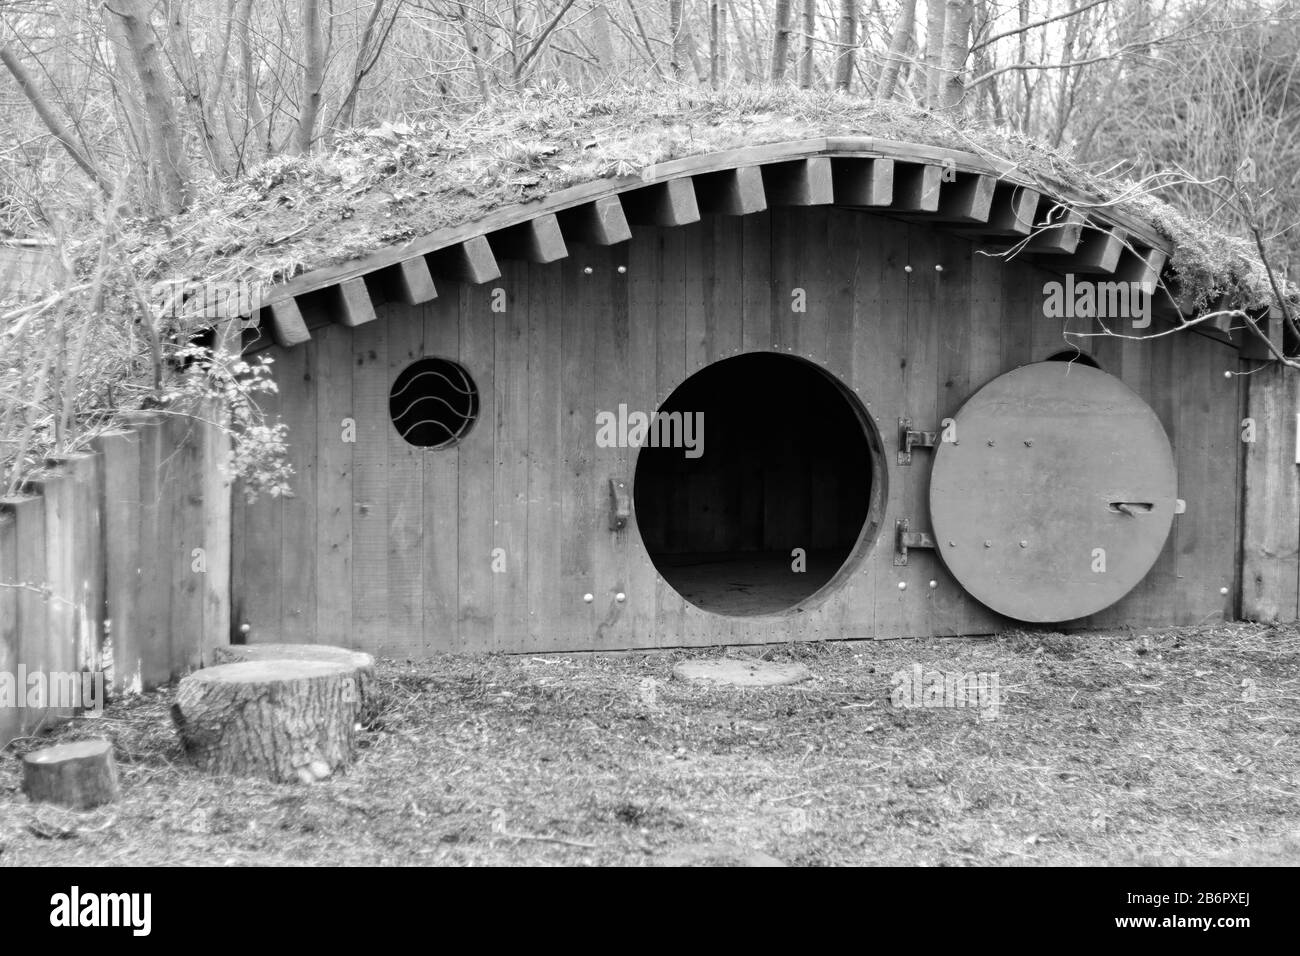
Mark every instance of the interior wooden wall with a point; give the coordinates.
(390, 548)
(784, 465)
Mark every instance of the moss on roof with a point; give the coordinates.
(383, 187)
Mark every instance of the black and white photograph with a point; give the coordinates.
(650, 433)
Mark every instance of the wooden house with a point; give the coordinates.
(834, 388)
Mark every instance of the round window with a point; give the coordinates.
(433, 403)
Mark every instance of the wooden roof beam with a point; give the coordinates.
(1058, 232)
(917, 187)
(670, 203)
(1141, 264)
(966, 199)
(409, 281)
(1013, 210)
(1100, 249)
(599, 223)
(469, 261)
(536, 240)
(800, 182)
(863, 182)
(731, 192)
(287, 325)
(353, 303)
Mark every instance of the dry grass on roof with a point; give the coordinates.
(383, 187)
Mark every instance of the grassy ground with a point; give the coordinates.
(1175, 746)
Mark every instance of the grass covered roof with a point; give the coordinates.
(380, 188)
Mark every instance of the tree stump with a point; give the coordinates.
(282, 720)
(363, 665)
(80, 775)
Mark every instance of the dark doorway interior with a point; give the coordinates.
(787, 463)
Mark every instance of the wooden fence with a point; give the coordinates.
(28, 269)
(119, 559)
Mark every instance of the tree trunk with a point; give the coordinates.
(347, 114)
(361, 664)
(747, 63)
(258, 130)
(806, 53)
(172, 165)
(80, 775)
(181, 55)
(125, 85)
(898, 45)
(848, 40)
(602, 37)
(675, 38)
(282, 720)
(935, 18)
(313, 74)
(955, 50)
(780, 41)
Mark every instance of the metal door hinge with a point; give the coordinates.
(909, 439)
(905, 538)
(620, 505)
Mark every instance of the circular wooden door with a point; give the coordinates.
(1053, 493)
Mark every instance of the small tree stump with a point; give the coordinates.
(282, 720)
(363, 665)
(79, 775)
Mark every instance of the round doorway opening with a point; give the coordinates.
(777, 484)
(433, 403)
(1077, 356)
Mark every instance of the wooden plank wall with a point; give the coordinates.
(118, 557)
(415, 570)
(1270, 546)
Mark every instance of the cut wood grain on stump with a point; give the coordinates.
(362, 664)
(80, 775)
(283, 720)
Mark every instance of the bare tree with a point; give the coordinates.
(955, 51)
(848, 41)
(313, 75)
(809, 39)
(51, 120)
(936, 12)
(780, 40)
(899, 42)
(170, 160)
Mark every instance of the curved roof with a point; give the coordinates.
(990, 201)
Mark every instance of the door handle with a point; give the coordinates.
(1132, 508)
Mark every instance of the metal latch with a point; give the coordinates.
(905, 538)
(620, 507)
(908, 439)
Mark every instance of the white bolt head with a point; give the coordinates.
(622, 270)
(587, 270)
(902, 585)
(934, 584)
(937, 267)
(1223, 590)
(589, 597)
(907, 268)
(620, 597)
(1227, 375)
(244, 629)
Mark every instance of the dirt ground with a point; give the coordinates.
(1149, 747)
